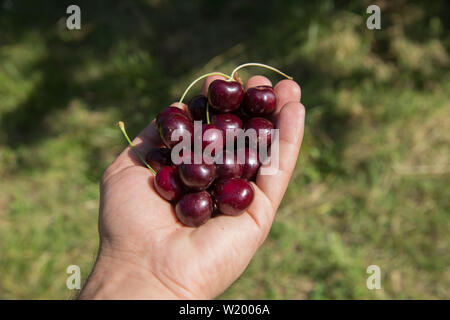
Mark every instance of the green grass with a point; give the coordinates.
(371, 183)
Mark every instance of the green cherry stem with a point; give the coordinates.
(122, 128)
(254, 64)
(207, 113)
(200, 78)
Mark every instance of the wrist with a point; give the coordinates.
(114, 278)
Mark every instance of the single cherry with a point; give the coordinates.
(232, 196)
(263, 129)
(184, 126)
(197, 108)
(158, 158)
(251, 163)
(225, 96)
(227, 122)
(197, 176)
(194, 209)
(168, 183)
(260, 100)
(229, 166)
(167, 113)
(212, 135)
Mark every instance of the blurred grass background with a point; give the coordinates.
(372, 182)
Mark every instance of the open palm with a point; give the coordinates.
(139, 229)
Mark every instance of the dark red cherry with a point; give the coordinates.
(232, 196)
(212, 136)
(197, 176)
(260, 100)
(242, 113)
(158, 158)
(197, 108)
(262, 129)
(227, 122)
(168, 183)
(225, 96)
(167, 113)
(194, 209)
(229, 166)
(251, 163)
(176, 122)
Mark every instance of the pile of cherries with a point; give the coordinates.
(200, 190)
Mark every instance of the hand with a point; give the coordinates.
(146, 253)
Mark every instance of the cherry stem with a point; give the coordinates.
(207, 113)
(200, 78)
(254, 64)
(122, 128)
